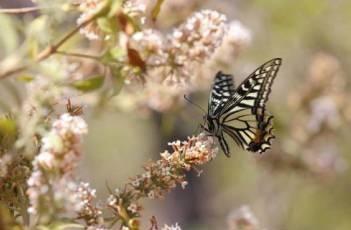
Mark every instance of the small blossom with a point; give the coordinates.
(88, 210)
(46, 160)
(135, 9)
(5, 161)
(203, 32)
(151, 195)
(89, 8)
(171, 227)
(111, 200)
(136, 182)
(173, 60)
(146, 175)
(133, 208)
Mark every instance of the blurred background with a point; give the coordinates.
(304, 181)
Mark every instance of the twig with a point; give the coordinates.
(20, 10)
(51, 49)
(79, 55)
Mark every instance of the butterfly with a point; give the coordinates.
(240, 113)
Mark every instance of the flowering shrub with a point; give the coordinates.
(71, 59)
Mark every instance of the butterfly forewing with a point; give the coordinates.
(242, 116)
(222, 90)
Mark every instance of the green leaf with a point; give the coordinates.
(88, 85)
(37, 26)
(114, 55)
(117, 53)
(106, 25)
(8, 38)
(114, 8)
(25, 78)
(8, 131)
(156, 9)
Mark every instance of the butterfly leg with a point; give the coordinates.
(224, 145)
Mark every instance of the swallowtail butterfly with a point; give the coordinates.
(240, 113)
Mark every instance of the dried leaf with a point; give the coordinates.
(134, 59)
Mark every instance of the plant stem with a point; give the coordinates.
(52, 49)
(20, 10)
(79, 55)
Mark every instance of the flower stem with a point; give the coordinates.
(79, 55)
(20, 10)
(52, 49)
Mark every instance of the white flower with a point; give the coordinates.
(184, 184)
(111, 200)
(171, 227)
(46, 160)
(238, 34)
(151, 195)
(133, 208)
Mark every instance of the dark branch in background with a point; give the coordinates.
(78, 55)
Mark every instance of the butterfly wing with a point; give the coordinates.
(244, 117)
(222, 90)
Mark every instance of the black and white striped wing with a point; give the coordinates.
(222, 90)
(243, 117)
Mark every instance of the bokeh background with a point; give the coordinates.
(304, 181)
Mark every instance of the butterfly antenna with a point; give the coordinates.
(196, 105)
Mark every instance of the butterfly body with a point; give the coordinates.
(240, 113)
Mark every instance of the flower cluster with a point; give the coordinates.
(236, 38)
(173, 62)
(174, 12)
(59, 150)
(175, 55)
(133, 9)
(162, 176)
(89, 212)
(323, 99)
(198, 37)
(88, 9)
(51, 181)
(164, 67)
